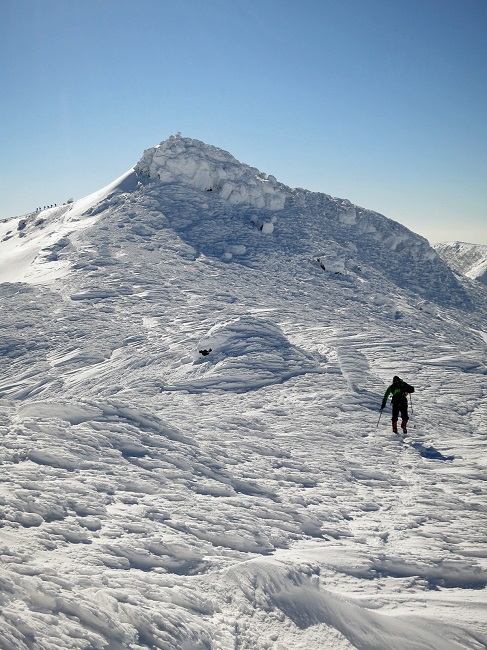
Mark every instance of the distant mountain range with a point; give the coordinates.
(467, 259)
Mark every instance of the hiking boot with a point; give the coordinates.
(394, 427)
(404, 426)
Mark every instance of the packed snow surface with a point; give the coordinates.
(194, 360)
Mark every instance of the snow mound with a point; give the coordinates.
(211, 169)
(240, 355)
(297, 592)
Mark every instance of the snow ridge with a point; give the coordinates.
(210, 200)
(340, 236)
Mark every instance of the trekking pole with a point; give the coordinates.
(412, 412)
(379, 419)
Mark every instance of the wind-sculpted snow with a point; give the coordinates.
(191, 450)
(246, 353)
(299, 596)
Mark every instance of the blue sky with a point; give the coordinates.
(382, 102)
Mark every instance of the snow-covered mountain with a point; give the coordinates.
(194, 359)
(468, 259)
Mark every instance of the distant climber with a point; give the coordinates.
(399, 391)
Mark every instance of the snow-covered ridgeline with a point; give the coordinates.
(29, 246)
(333, 232)
(341, 236)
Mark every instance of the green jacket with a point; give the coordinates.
(399, 390)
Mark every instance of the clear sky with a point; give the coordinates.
(382, 102)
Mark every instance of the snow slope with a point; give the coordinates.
(191, 448)
(30, 244)
(469, 259)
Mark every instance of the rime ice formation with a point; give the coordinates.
(208, 168)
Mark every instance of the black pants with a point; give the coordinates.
(400, 405)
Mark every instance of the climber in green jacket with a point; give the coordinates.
(399, 391)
